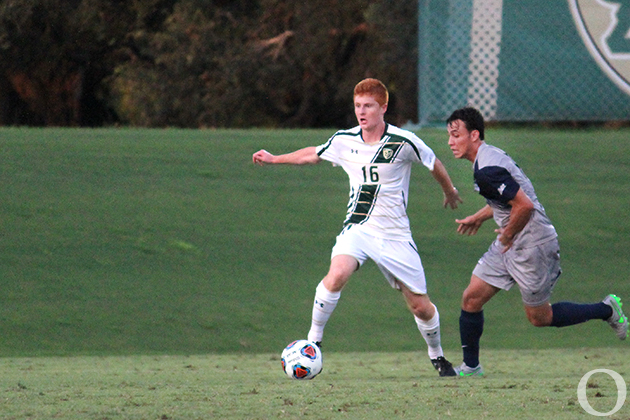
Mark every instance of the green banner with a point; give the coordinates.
(525, 60)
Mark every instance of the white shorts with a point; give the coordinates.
(397, 260)
(535, 270)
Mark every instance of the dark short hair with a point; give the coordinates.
(471, 117)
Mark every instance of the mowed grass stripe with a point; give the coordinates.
(122, 241)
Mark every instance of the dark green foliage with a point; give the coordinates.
(201, 63)
(54, 55)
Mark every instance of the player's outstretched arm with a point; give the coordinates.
(471, 224)
(451, 195)
(306, 156)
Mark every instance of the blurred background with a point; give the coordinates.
(273, 63)
(201, 63)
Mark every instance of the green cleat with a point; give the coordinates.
(464, 371)
(618, 321)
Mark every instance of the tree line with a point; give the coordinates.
(202, 63)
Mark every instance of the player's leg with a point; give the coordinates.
(349, 253)
(540, 315)
(328, 292)
(536, 270)
(471, 322)
(564, 314)
(477, 294)
(488, 277)
(341, 268)
(427, 319)
(401, 265)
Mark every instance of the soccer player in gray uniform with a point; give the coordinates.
(525, 252)
(377, 158)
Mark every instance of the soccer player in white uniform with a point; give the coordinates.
(377, 158)
(525, 252)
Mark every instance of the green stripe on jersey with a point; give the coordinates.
(364, 204)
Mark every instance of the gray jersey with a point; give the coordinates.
(498, 179)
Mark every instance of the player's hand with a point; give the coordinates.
(505, 240)
(469, 225)
(452, 199)
(262, 157)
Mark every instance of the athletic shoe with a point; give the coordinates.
(618, 321)
(465, 371)
(443, 366)
(318, 344)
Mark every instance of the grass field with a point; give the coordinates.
(523, 384)
(134, 250)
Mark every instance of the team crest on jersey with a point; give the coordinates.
(605, 29)
(388, 151)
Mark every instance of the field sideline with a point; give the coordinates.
(130, 250)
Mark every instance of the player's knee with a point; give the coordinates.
(341, 268)
(423, 310)
(333, 284)
(536, 322)
(471, 303)
(539, 319)
(335, 281)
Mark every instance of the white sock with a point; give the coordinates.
(430, 331)
(323, 306)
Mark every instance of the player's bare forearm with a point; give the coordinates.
(305, 156)
(471, 224)
(451, 195)
(522, 209)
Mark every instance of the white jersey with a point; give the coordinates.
(379, 177)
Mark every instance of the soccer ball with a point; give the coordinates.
(302, 359)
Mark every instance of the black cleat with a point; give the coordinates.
(443, 366)
(318, 344)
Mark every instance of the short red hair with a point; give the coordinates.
(372, 87)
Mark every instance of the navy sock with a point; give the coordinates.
(569, 313)
(470, 330)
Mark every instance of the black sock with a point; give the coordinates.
(569, 313)
(470, 330)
